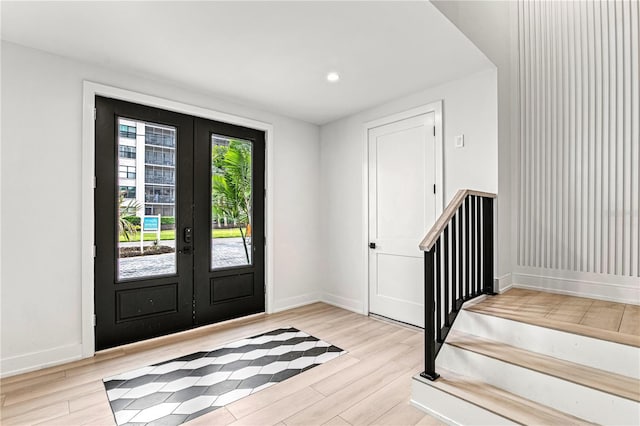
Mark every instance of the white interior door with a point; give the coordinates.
(402, 208)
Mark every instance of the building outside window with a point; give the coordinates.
(127, 151)
(127, 172)
(127, 131)
(160, 137)
(152, 149)
(128, 191)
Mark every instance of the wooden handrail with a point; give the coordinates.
(430, 239)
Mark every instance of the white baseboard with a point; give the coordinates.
(295, 301)
(602, 290)
(344, 302)
(38, 360)
(25, 363)
(504, 282)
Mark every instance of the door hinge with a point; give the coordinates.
(94, 251)
(94, 320)
(95, 114)
(434, 188)
(434, 130)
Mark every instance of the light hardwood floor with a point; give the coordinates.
(368, 385)
(616, 322)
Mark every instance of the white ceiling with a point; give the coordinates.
(269, 55)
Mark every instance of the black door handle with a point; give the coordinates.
(372, 245)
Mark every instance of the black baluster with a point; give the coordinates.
(454, 266)
(478, 261)
(438, 292)
(445, 283)
(479, 247)
(460, 257)
(467, 246)
(472, 256)
(429, 317)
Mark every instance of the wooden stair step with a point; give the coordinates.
(614, 384)
(498, 401)
(583, 330)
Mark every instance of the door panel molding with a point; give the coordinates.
(90, 91)
(433, 107)
(127, 302)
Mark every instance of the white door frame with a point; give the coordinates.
(434, 107)
(90, 90)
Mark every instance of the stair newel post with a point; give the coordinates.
(487, 243)
(429, 317)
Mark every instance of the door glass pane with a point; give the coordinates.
(231, 202)
(146, 199)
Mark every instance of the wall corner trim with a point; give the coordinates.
(349, 304)
(504, 282)
(295, 302)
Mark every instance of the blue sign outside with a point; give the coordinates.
(151, 223)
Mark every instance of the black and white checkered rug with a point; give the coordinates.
(176, 391)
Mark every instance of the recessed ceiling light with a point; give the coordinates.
(333, 77)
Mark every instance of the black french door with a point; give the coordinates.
(229, 277)
(179, 222)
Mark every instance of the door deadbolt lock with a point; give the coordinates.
(372, 245)
(188, 232)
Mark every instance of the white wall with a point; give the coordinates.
(490, 26)
(469, 108)
(41, 199)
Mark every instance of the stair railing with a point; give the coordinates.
(458, 266)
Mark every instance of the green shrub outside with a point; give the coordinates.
(134, 220)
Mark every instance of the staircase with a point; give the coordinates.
(488, 364)
(495, 370)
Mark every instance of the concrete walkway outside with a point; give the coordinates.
(225, 252)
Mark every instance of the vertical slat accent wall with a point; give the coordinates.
(579, 134)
